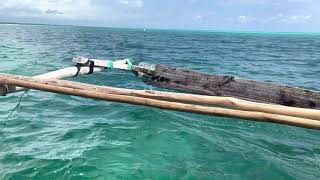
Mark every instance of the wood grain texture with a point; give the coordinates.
(229, 102)
(229, 86)
(46, 85)
(58, 74)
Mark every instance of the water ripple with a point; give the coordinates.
(64, 137)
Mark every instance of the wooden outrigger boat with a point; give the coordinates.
(211, 94)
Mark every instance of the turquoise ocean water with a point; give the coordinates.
(52, 136)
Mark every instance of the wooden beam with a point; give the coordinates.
(188, 98)
(59, 74)
(45, 85)
(229, 86)
(72, 71)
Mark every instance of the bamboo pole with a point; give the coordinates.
(230, 102)
(206, 84)
(30, 83)
(58, 74)
(187, 98)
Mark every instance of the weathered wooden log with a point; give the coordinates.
(186, 98)
(28, 82)
(229, 86)
(218, 85)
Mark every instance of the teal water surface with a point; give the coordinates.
(53, 136)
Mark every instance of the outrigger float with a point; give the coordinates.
(215, 95)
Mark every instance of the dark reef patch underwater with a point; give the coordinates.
(52, 136)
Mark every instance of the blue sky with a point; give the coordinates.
(242, 15)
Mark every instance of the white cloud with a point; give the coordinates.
(204, 16)
(246, 19)
(198, 17)
(301, 1)
(279, 18)
(299, 18)
(245, 2)
(241, 19)
(134, 3)
(70, 9)
(67, 8)
(168, 14)
(289, 19)
(55, 12)
(193, 1)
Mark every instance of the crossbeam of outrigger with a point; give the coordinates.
(232, 100)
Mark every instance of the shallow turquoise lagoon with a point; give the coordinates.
(52, 136)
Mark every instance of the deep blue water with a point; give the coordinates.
(52, 136)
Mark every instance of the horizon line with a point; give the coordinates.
(167, 29)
